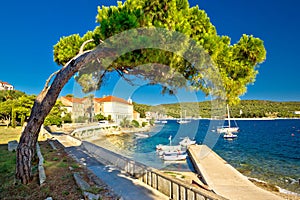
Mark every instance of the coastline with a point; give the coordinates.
(237, 118)
(116, 143)
(107, 142)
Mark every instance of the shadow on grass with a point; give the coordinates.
(58, 180)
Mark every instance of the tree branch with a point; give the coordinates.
(83, 45)
(49, 79)
(80, 52)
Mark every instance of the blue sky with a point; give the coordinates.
(29, 29)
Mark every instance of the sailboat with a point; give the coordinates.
(229, 128)
(183, 121)
(229, 135)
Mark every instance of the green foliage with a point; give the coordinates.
(10, 95)
(6, 111)
(81, 119)
(249, 108)
(55, 115)
(15, 110)
(236, 62)
(99, 117)
(125, 123)
(67, 118)
(141, 108)
(135, 123)
(13, 118)
(23, 107)
(144, 124)
(151, 122)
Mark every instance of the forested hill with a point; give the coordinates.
(246, 109)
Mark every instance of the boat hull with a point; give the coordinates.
(228, 130)
(229, 136)
(174, 157)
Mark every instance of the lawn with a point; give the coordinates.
(59, 169)
(9, 134)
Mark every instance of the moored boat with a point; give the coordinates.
(183, 120)
(229, 128)
(225, 129)
(142, 135)
(174, 157)
(229, 135)
(161, 147)
(169, 153)
(186, 141)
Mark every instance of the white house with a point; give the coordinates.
(115, 107)
(6, 86)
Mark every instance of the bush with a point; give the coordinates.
(135, 123)
(99, 117)
(80, 119)
(52, 120)
(67, 118)
(125, 123)
(144, 124)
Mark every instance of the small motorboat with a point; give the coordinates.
(174, 157)
(142, 135)
(161, 147)
(185, 142)
(170, 153)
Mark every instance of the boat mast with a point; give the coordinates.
(228, 116)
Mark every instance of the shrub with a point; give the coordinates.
(135, 123)
(144, 124)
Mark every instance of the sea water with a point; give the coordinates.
(268, 150)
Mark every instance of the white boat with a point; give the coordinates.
(166, 148)
(183, 121)
(164, 121)
(174, 157)
(229, 135)
(142, 135)
(170, 153)
(187, 142)
(229, 128)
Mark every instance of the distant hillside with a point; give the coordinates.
(246, 109)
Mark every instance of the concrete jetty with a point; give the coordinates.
(222, 178)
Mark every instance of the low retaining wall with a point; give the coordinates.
(171, 187)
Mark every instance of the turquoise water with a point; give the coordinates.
(265, 149)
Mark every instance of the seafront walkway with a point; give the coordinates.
(120, 182)
(222, 178)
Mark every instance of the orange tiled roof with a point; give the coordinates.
(111, 99)
(74, 100)
(4, 83)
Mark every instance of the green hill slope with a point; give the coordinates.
(246, 109)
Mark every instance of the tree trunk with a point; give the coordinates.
(43, 105)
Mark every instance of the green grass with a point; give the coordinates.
(175, 175)
(59, 184)
(9, 134)
(7, 167)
